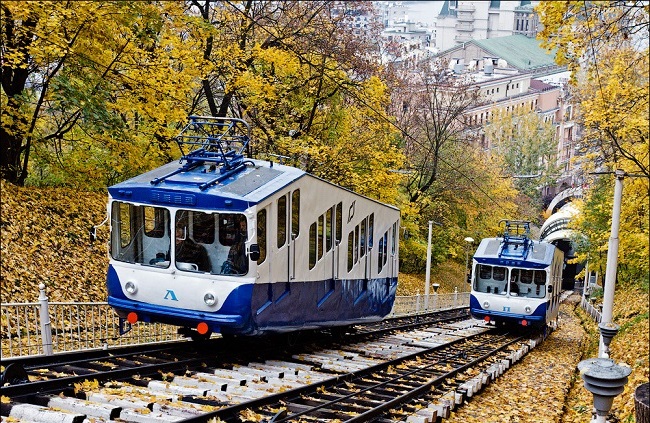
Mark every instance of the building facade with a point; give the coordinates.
(462, 21)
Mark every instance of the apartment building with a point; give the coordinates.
(515, 74)
(462, 21)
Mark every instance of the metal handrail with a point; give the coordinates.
(46, 328)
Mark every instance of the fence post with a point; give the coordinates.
(455, 296)
(46, 326)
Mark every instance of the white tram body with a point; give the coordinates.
(273, 248)
(516, 280)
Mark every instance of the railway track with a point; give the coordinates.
(394, 371)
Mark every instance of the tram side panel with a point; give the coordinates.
(331, 258)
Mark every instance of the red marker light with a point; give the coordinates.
(202, 328)
(132, 317)
(487, 319)
(524, 322)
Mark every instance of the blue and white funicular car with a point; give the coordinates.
(515, 279)
(224, 243)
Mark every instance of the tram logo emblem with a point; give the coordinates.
(170, 295)
(504, 308)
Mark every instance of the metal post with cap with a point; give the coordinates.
(427, 277)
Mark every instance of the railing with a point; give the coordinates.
(590, 310)
(415, 304)
(46, 328)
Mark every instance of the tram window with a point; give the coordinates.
(382, 252)
(319, 244)
(282, 221)
(514, 275)
(328, 229)
(230, 229)
(393, 239)
(189, 233)
(154, 222)
(499, 273)
(203, 227)
(371, 225)
(138, 234)
(362, 239)
(526, 276)
(350, 250)
(380, 261)
(485, 272)
(295, 213)
(540, 277)
(356, 244)
(339, 222)
(261, 235)
(312, 245)
(124, 221)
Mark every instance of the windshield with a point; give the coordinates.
(510, 281)
(203, 242)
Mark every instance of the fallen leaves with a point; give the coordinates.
(44, 239)
(533, 390)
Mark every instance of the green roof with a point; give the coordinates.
(519, 51)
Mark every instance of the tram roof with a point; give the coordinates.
(257, 181)
(495, 251)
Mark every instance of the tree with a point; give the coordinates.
(308, 85)
(92, 87)
(432, 117)
(527, 146)
(606, 46)
(448, 180)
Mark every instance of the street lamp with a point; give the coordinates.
(469, 242)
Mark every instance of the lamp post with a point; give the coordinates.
(428, 271)
(469, 241)
(612, 262)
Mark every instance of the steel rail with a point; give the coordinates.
(231, 413)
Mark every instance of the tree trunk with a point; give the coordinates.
(641, 403)
(10, 165)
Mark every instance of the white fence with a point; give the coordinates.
(590, 310)
(45, 328)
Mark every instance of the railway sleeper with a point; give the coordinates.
(455, 397)
(78, 406)
(39, 414)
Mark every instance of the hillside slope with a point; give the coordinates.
(44, 238)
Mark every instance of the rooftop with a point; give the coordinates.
(519, 51)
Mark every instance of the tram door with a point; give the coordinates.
(337, 233)
(288, 230)
(393, 250)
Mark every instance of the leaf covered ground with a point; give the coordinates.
(44, 239)
(545, 386)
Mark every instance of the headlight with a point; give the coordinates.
(486, 304)
(527, 309)
(209, 299)
(130, 287)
